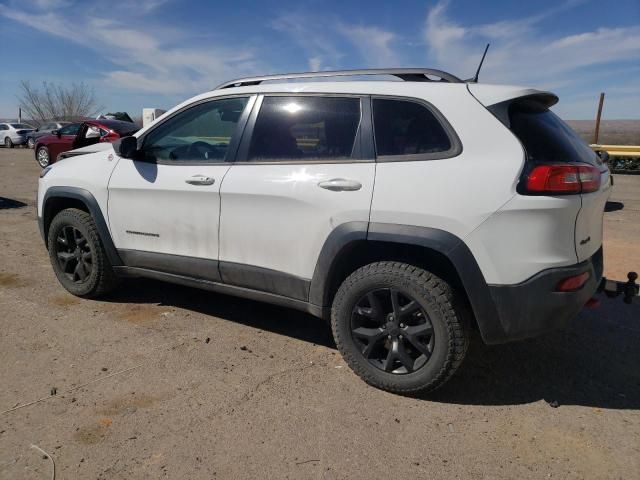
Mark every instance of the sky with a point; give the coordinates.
(157, 53)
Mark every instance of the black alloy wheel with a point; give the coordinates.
(74, 254)
(393, 331)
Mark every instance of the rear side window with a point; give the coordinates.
(545, 137)
(404, 129)
(305, 128)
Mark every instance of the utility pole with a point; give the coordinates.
(597, 132)
(19, 115)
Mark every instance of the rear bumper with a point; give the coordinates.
(18, 139)
(534, 307)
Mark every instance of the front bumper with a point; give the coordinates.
(534, 307)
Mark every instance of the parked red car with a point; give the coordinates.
(77, 135)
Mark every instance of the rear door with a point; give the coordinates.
(304, 169)
(546, 138)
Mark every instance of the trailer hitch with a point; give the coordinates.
(630, 290)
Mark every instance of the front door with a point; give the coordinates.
(302, 171)
(63, 141)
(164, 208)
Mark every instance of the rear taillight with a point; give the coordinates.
(561, 179)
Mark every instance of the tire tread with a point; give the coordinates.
(445, 300)
(106, 280)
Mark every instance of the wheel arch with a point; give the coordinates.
(57, 199)
(355, 244)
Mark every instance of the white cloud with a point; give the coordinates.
(315, 64)
(329, 41)
(374, 45)
(523, 53)
(148, 58)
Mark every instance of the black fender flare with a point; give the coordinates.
(445, 243)
(91, 203)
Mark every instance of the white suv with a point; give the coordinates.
(408, 212)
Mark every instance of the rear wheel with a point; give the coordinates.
(31, 143)
(398, 328)
(77, 255)
(42, 156)
(8, 143)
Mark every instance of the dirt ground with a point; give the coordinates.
(161, 381)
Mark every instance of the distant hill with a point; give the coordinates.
(616, 132)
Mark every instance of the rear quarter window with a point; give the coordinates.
(410, 130)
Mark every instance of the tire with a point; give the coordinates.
(8, 143)
(78, 256)
(31, 143)
(42, 157)
(413, 349)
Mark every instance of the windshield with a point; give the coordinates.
(20, 125)
(546, 138)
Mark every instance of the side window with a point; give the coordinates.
(201, 133)
(305, 128)
(70, 129)
(3, 127)
(408, 128)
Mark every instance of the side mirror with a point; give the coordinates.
(126, 147)
(56, 132)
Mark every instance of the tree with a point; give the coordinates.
(57, 102)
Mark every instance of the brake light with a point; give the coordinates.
(562, 178)
(574, 283)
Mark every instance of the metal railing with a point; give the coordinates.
(618, 150)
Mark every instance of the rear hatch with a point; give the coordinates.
(548, 140)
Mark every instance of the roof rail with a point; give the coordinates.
(406, 74)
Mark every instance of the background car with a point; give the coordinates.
(14, 133)
(44, 129)
(77, 135)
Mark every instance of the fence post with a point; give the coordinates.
(597, 132)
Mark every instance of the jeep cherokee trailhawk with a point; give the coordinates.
(406, 212)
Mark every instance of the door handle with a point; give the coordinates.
(340, 185)
(200, 180)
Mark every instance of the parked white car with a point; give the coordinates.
(14, 134)
(407, 212)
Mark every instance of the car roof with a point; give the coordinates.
(490, 93)
(487, 94)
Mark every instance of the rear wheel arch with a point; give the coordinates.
(57, 199)
(355, 244)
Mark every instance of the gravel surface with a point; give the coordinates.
(161, 381)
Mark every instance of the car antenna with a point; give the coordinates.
(475, 78)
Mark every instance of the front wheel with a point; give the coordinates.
(398, 327)
(31, 143)
(8, 143)
(42, 157)
(78, 256)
